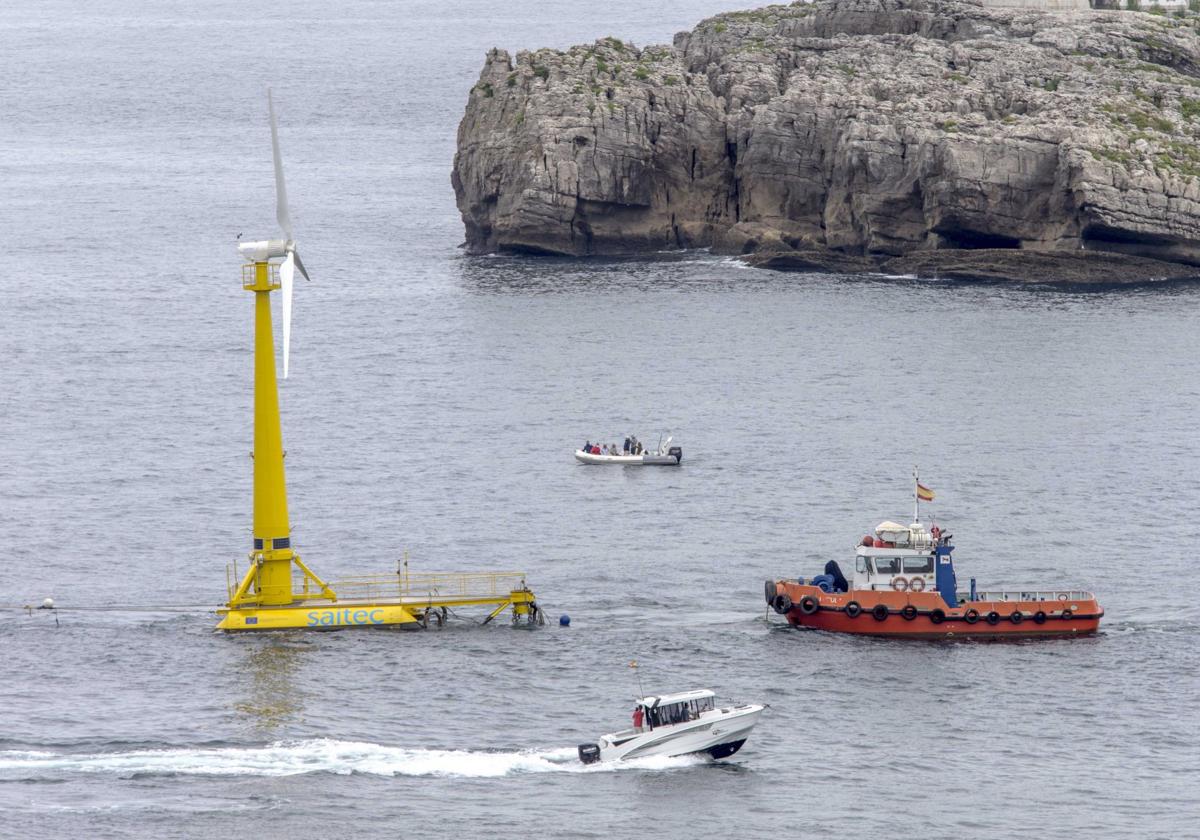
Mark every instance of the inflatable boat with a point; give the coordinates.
(666, 456)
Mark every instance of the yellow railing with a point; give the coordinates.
(425, 585)
(403, 585)
(250, 280)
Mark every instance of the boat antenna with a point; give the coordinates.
(916, 497)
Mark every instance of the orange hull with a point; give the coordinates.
(924, 615)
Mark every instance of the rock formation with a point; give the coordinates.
(925, 136)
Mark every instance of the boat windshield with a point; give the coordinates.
(887, 565)
(921, 565)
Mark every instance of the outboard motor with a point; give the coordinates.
(589, 753)
(677, 451)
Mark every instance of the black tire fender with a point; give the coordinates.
(971, 616)
(937, 615)
(908, 613)
(769, 590)
(880, 612)
(993, 618)
(1039, 617)
(853, 609)
(782, 604)
(809, 604)
(1017, 617)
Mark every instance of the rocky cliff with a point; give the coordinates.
(931, 136)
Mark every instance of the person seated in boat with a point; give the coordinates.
(604, 449)
(625, 447)
(587, 447)
(840, 584)
(595, 449)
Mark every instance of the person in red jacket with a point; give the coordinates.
(638, 717)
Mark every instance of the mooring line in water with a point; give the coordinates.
(179, 608)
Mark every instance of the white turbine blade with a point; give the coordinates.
(285, 281)
(281, 203)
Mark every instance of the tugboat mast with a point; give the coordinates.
(916, 497)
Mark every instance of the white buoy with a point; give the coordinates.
(48, 604)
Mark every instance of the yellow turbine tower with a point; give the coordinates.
(278, 590)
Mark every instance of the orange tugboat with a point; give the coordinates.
(904, 586)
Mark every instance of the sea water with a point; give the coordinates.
(432, 408)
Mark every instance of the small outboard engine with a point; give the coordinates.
(677, 451)
(589, 753)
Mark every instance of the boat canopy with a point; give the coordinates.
(904, 536)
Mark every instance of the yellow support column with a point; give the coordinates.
(272, 552)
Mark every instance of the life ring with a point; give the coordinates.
(900, 584)
(1062, 596)
(782, 604)
(1039, 617)
(1016, 617)
(880, 612)
(908, 613)
(853, 609)
(809, 604)
(937, 615)
(1066, 614)
(971, 616)
(917, 584)
(993, 618)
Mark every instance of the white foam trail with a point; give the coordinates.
(324, 755)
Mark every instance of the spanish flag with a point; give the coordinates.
(924, 493)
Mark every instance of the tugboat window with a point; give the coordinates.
(918, 564)
(860, 564)
(887, 565)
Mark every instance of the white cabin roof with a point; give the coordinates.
(865, 551)
(682, 697)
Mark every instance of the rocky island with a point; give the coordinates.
(932, 137)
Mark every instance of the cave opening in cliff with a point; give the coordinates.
(965, 239)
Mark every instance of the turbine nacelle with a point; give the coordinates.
(263, 250)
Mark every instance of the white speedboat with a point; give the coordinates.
(677, 724)
(665, 456)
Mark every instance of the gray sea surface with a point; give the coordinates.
(433, 405)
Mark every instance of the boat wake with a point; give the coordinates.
(323, 755)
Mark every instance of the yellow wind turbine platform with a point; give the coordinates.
(277, 590)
